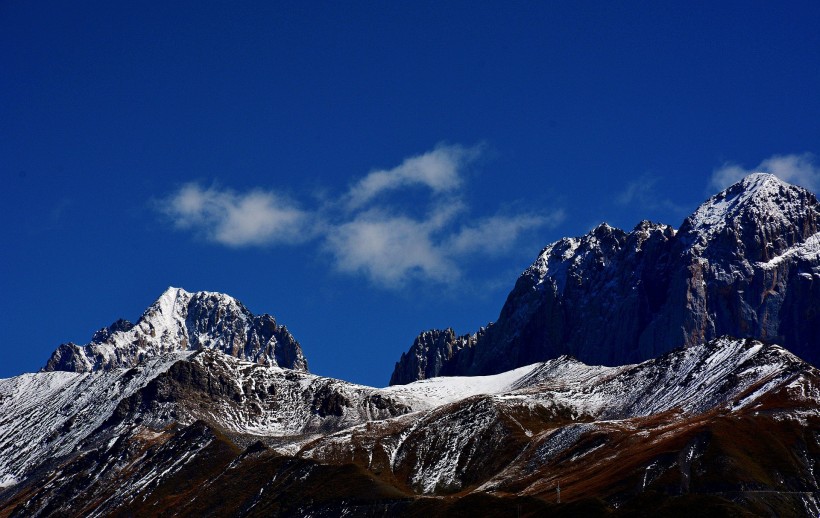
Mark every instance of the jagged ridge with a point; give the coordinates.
(746, 263)
(183, 321)
(110, 441)
(429, 353)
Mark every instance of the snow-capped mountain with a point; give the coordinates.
(183, 321)
(565, 420)
(746, 263)
(204, 431)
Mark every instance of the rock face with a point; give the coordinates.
(182, 321)
(746, 263)
(429, 353)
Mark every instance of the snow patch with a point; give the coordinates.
(809, 250)
(7, 481)
(442, 390)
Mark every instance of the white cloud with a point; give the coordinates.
(797, 169)
(727, 175)
(363, 230)
(232, 219)
(439, 169)
(639, 191)
(390, 249)
(644, 192)
(498, 234)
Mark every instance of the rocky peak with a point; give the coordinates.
(757, 218)
(558, 259)
(180, 321)
(604, 230)
(647, 234)
(603, 237)
(431, 351)
(646, 227)
(177, 309)
(746, 263)
(105, 333)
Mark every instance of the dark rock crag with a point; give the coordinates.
(746, 263)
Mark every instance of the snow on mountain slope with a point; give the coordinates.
(434, 392)
(180, 321)
(49, 414)
(275, 402)
(725, 372)
(553, 406)
(246, 398)
(808, 251)
(127, 433)
(757, 197)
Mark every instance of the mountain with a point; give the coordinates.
(746, 263)
(726, 427)
(203, 409)
(182, 321)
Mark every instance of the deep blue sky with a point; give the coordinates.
(144, 145)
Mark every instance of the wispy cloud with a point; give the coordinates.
(363, 230)
(644, 192)
(59, 209)
(798, 169)
(497, 234)
(439, 169)
(638, 191)
(391, 249)
(232, 219)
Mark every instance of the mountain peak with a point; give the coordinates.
(760, 180)
(178, 321)
(602, 228)
(171, 307)
(171, 294)
(757, 192)
(760, 216)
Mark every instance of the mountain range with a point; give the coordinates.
(651, 372)
(746, 263)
